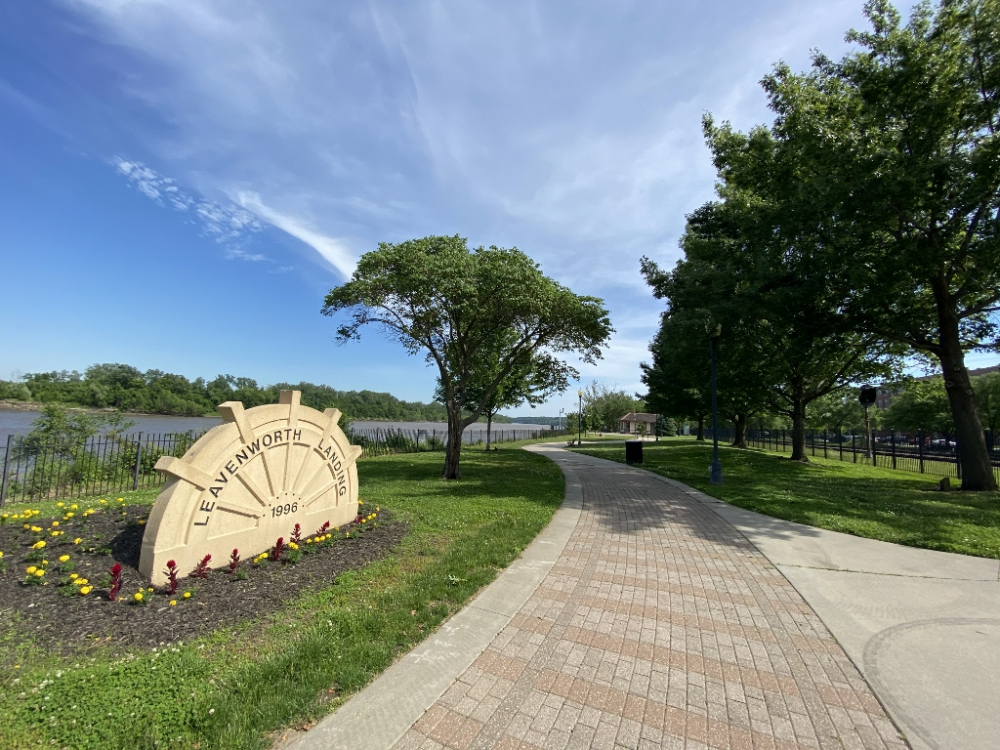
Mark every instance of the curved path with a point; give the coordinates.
(650, 615)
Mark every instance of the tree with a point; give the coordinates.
(988, 400)
(533, 379)
(604, 407)
(896, 148)
(749, 266)
(921, 405)
(438, 296)
(837, 410)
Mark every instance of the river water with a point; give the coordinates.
(14, 422)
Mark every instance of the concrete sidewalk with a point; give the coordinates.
(650, 615)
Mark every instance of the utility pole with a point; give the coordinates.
(715, 469)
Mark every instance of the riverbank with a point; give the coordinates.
(38, 406)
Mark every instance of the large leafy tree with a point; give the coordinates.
(897, 162)
(438, 296)
(699, 295)
(532, 380)
(749, 266)
(987, 389)
(921, 405)
(605, 406)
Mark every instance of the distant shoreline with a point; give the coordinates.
(8, 405)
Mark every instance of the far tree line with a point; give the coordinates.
(128, 389)
(860, 230)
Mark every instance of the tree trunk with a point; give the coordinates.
(489, 427)
(701, 428)
(740, 438)
(977, 471)
(799, 429)
(453, 449)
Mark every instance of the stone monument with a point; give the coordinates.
(249, 481)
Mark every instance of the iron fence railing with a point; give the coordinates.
(33, 469)
(380, 442)
(921, 452)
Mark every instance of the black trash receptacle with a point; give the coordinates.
(633, 451)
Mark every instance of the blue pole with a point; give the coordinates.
(715, 470)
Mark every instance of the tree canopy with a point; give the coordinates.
(466, 310)
(867, 215)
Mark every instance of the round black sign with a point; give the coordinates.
(867, 395)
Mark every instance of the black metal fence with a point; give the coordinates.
(38, 470)
(922, 452)
(381, 442)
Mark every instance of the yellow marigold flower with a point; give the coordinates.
(142, 521)
(1, 553)
(121, 499)
(55, 523)
(31, 569)
(64, 558)
(74, 506)
(173, 602)
(308, 541)
(59, 505)
(36, 529)
(150, 589)
(104, 502)
(378, 509)
(39, 573)
(38, 545)
(138, 596)
(26, 526)
(77, 540)
(74, 576)
(81, 582)
(187, 594)
(45, 562)
(293, 545)
(86, 590)
(70, 515)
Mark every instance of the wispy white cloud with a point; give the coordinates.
(332, 250)
(570, 130)
(229, 225)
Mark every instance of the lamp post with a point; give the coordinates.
(867, 397)
(579, 419)
(715, 469)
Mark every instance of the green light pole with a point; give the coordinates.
(579, 420)
(715, 469)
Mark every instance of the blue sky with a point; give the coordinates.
(183, 180)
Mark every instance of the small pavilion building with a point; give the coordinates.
(638, 423)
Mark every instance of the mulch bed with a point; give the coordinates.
(67, 623)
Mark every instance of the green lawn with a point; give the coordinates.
(232, 689)
(893, 506)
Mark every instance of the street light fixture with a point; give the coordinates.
(867, 397)
(579, 419)
(715, 469)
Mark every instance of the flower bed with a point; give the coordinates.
(73, 579)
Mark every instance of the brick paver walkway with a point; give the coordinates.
(659, 627)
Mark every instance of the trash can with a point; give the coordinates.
(633, 451)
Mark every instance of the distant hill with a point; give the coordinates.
(558, 421)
